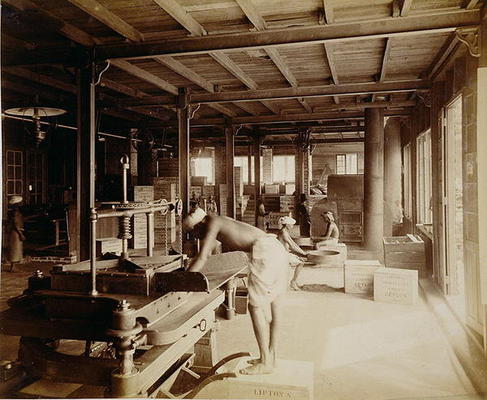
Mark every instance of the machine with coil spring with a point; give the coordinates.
(139, 317)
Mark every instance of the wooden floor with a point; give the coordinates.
(360, 349)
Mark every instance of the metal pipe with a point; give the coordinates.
(150, 233)
(93, 219)
(125, 167)
(71, 128)
(129, 213)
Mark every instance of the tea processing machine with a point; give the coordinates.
(137, 318)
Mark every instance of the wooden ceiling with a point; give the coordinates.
(267, 63)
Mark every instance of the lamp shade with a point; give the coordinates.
(35, 112)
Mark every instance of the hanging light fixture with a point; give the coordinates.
(36, 113)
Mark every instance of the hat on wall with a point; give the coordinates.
(287, 221)
(193, 219)
(15, 200)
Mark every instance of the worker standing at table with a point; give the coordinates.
(268, 277)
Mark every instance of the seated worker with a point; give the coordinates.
(268, 275)
(332, 233)
(284, 236)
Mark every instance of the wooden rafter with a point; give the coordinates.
(194, 27)
(448, 46)
(255, 17)
(406, 7)
(179, 14)
(184, 71)
(70, 31)
(415, 25)
(41, 78)
(385, 59)
(104, 15)
(145, 75)
(332, 66)
(332, 115)
(471, 4)
(349, 89)
(329, 12)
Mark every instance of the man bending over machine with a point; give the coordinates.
(268, 276)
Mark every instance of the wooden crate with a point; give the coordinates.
(291, 380)
(359, 276)
(406, 252)
(394, 285)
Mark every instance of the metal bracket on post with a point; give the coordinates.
(471, 39)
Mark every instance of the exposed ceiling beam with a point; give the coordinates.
(41, 78)
(315, 91)
(194, 27)
(176, 11)
(184, 71)
(145, 76)
(305, 104)
(252, 14)
(385, 59)
(349, 89)
(70, 31)
(329, 12)
(332, 66)
(259, 23)
(192, 76)
(285, 118)
(104, 15)
(446, 49)
(471, 4)
(246, 108)
(124, 89)
(352, 31)
(406, 7)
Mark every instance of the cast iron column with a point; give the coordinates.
(183, 132)
(374, 179)
(257, 187)
(229, 154)
(85, 153)
(392, 175)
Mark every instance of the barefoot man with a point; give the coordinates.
(267, 279)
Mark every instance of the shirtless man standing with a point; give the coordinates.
(268, 276)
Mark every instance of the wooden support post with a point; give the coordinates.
(374, 179)
(257, 187)
(85, 153)
(183, 112)
(230, 154)
(249, 164)
(299, 171)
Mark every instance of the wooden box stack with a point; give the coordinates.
(208, 190)
(359, 276)
(168, 167)
(394, 285)
(222, 198)
(286, 203)
(274, 219)
(238, 181)
(406, 252)
(198, 180)
(289, 189)
(139, 226)
(271, 189)
(165, 188)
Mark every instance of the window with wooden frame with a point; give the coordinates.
(15, 173)
(283, 169)
(423, 179)
(205, 166)
(406, 182)
(347, 163)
